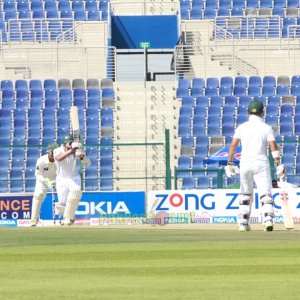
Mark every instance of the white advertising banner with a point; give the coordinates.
(215, 206)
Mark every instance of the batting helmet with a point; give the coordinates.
(68, 138)
(255, 107)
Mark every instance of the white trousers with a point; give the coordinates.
(257, 172)
(64, 185)
(40, 189)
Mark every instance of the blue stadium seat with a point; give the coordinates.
(268, 90)
(272, 109)
(228, 111)
(225, 3)
(196, 92)
(252, 3)
(93, 15)
(92, 112)
(211, 91)
(227, 119)
(293, 3)
(38, 14)
(202, 140)
(198, 130)
(203, 181)
(198, 82)
(184, 164)
(225, 90)
(255, 80)
(187, 145)
(226, 81)
(66, 14)
(188, 101)
(286, 129)
(35, 84)
(202, 101)
(269, 80)
(50, 84)
(266, 3)
(287, 109)
(16, 181)
(295, 79)
(184, 83)
(245, 100)
(295, 89)
(197, 163)
(274, 100)
(185, 111)
(79, 98)
(214, 111)
(21, 84)
(184, 128)
(7, 85)
(79, 15)
(212, 4)
(239, 90)
(241, 81)
(107, 127)
(106, 183)
(201, 151)
(223, 12)
(216, 101)
(227, 129)
(279, 3)
(230, 101)
(212, 82)
(282, 90)
(188, 183)
(241, 119)
(65, 95)
(182, 92)
(213, 129)
(271, 119)
(237, 11)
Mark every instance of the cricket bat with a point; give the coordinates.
(285, 204)
(75, 123)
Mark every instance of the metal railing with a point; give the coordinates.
(243, 27)
(145, 7)
(38, 30)
(142, 170)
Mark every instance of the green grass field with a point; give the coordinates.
(151, 263)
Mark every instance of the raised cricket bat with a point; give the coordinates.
(75, 123)
(285, 204)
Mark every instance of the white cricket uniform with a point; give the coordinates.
(254, 164)
(255, 136)
(67, 177)
(44, 169)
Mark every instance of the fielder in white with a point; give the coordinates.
(45, 173)
(255, 137)
(68, 181)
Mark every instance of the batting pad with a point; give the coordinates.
(73, 200)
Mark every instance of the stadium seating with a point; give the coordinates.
(218, 115)
(47, 112)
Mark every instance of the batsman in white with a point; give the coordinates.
(255, 137)
(68, 181)
(45, 174)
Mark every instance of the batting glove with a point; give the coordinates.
(76, 145)
(86, 162)
(80, 154)
(280, 171)
(48, 182)
(231, 170)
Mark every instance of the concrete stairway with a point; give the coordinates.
(141, 117)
